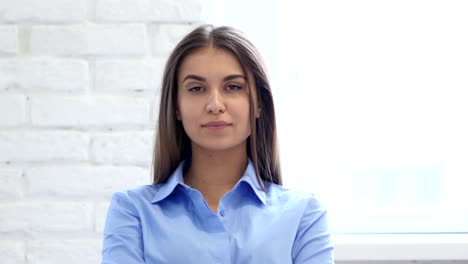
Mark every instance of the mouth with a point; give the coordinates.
(216, 125)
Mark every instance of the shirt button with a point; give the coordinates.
(221, 213)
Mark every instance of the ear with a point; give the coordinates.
(257, 113)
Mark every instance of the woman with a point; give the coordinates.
(217, 194)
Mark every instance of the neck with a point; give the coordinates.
(214, 173)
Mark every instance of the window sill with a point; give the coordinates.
(406, 247)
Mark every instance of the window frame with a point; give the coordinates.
(401, 247)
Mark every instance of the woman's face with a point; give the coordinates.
(213, 100)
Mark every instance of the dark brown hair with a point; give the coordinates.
(172, 144)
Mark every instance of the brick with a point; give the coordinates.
(41, 74)
(83, 181)
(78, 111)
(68, 251)
(43, 145)
(44, 10)
(13, 252)
(145, 10)
(126, 39)
(101, 214)
(12, 110)
(166, 37)
(123, 148)
(11, 183)
(45, 216)
(118, 75)
(8, 39)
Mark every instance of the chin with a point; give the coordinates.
(221, 146)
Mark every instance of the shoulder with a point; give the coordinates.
(283, 195)
(299, 200)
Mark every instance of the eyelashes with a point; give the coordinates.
(229, 87)
(195, 89)
(233, 87)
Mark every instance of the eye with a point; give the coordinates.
(233, 87)
(196, 89)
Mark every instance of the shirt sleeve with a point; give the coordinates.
(122, 233)
(313, 243)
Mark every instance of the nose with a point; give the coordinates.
(215, 103)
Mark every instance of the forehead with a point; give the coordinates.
(210, 61)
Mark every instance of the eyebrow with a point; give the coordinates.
(202, 79)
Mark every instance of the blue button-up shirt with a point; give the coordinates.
(172, 223)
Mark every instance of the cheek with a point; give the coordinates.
(187, 112)
(181, 106)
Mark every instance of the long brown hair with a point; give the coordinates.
(172, 144)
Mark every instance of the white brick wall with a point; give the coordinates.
(44, 74)
(123, 148)
(12, 183)
(13, 110)
(79, 83)
(101, 213)
(89, 110)
(80, 181)
(12, 251)
(89, 39)
(8, 39)
(64, 251)
(166, 36)
(44, 11)
(40, 145)
(54, 216)
(145, 10)
(125, 75)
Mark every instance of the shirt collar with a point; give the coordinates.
(177, 178)
(250, 177)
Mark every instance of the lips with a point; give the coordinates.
(216, 124)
